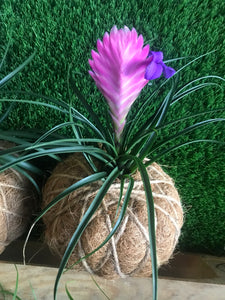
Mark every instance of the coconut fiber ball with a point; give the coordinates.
(17, 202)
(128, 252)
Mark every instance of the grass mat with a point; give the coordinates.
(63, 34)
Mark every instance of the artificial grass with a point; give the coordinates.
(64, 32)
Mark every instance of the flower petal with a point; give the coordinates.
(153, 71)
(157, 56)
(168, 71)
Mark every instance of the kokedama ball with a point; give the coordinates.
(128, 252)
(17, 201)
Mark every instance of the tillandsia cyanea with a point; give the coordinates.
(121, 68)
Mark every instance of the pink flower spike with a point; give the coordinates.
(118, 70)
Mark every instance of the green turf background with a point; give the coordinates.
(64, 32)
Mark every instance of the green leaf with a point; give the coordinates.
(98, 286)
(183, 91)
(93, 115)
(134, 123)
(53, 130)
(117, 223)
(68, 293)
(33, 102)
(18, 69)
(176, 147)
(17, 282)
(65, 110)
(151, 225)
(96, 152)
(151, 217)
(30, 178)
(2, 291)
(10, 154)
(131, 125)
(4, 56)
(33, 292)
(71, 141)
(158, 120)
(201, 113)
(7, 112)
(175, 59)
(21, 136)
(192, 90)
(78, 135)
(120, 198)
(14, 294)
(5, 292)
(183, 132)
(85, 181)
(7, 153)
(84, 222)
(194, 60)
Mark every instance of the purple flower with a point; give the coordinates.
(157, 67)
(121, 68)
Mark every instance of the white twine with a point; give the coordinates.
(12, 186)
(11, 212)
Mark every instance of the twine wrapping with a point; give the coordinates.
(17, 200)
(127, 253)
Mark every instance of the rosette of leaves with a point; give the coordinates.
(121, 68)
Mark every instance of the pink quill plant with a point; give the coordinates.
(121, 68)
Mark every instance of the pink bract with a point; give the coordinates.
(118, 69)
